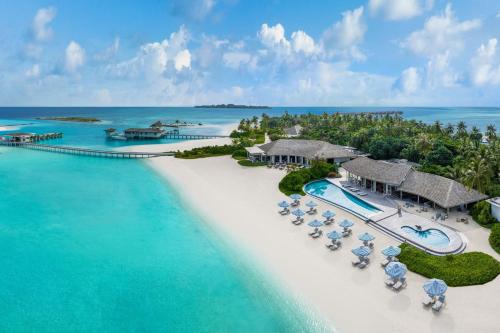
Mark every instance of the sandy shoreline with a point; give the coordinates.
(352, 300)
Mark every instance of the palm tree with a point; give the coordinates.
(461, 129)
(449, 129)
(476, 135)
(491, 132)
(477, 175)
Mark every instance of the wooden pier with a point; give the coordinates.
(83, 151)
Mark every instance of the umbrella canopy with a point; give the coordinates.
(366, 237)
(346, 224)
(315, 224)
(395, 270)
(391, 251)
(295, 196)
(435, 287)
(361, 251)
(283, 204)
(328, 214)
(298, 213)
(335, 235)
(311, 204)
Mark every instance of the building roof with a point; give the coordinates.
(443, 191)
(254, 150)
(144, 130)
(305, 148)
(380, 171)
(495, 201)
(293, 131)
(18, 134)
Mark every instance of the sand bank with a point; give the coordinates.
(242, 203)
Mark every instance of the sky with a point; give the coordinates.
(278, 53)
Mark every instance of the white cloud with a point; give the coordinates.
(441, 33)
(182, 60)
(75, 56)
(153, 59)
(399, 9)
(302, 42)
(440, 73)
(485, 65)
(109, 52)
(193, 9)
(409, 81)
(274, 37)
(236, 59)
(33, 72)
(343, 37)
(41, 29)
(103, 97)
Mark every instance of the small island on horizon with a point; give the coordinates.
(232, 106)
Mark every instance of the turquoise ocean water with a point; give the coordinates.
(101, 245)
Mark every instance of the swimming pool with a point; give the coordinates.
(325, 190)
(429, 237)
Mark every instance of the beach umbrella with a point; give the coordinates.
(315, 224)
(362, 251)
(335, 235)
(346, 224)
(295, 196)
(435, 287)
(328, 214)
(391, 251)
(311, 204)
(298, 213)
(395, 270)
(366, 237)
(283, 204)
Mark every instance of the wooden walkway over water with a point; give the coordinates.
(84, 151)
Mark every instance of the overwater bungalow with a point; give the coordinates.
(19, 137)
(299, 152)
(144, 133)
(401, 179)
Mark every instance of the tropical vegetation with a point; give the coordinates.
(466, 269)
(481, 213)
(449, 150)
(494, 238)
(294, 181)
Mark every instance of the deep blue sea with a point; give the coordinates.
(104, 245)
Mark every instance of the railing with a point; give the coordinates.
(84, 151)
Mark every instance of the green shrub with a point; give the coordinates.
(248, 163)
(495, 237)
(295, 180)
(209, 151)
(239, 154)
(464, 269)
(481, 213)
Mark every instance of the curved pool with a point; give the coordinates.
(327, 191)
(428, 237)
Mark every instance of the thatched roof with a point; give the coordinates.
(380, 171)
(443, 191)
(293, 131)
(306, 148)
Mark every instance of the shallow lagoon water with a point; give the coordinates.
(98, 245)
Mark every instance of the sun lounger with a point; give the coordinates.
(354, 189)
(317, 234)
(312, 211)
(298, 221)
(363, 264)
(385, 262)
(437, 305)
(428, 300)
(295, 203)
(389, 282)
(357, 262)
(362, 194)
(371, 245)
(347, 233)
(397, 285)
(328, 222)
(284, 212)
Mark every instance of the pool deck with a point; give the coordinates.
(390, 222)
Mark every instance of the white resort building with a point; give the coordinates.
(495, 207)
(144, 133)
(401, 179)
(299, 152)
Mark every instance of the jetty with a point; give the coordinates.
(83, 151)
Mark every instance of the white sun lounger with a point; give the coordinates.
(284, 212)
(427, 301)
(298, 221)
(385, 262)
(312, 211)
(389, 282)
(318, 234)
(401, 283)
(328, 222)
(363, 264)
(354, 189)
(437, 305)
(362, 194)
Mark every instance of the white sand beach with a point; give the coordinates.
(8, 128)
(350, 299)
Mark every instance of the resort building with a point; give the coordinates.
(293, 131)
(401, 179)
(144, 133)
(299, 152)
(495, 207)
